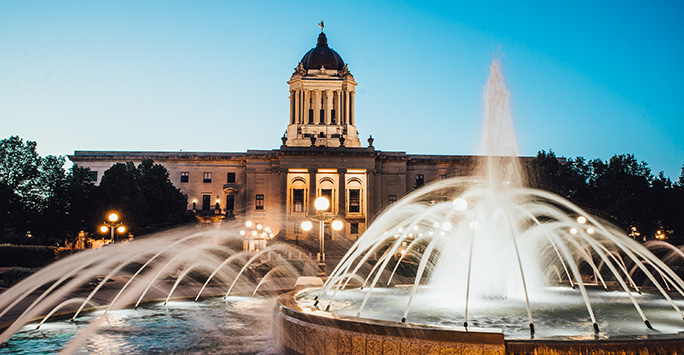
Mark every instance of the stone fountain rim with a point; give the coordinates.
(289, 306)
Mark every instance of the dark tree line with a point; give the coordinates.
(42, 203)
(621, 190)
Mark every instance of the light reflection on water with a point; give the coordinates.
(239, 325)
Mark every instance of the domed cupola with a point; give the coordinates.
(321, 101)
(322, 56)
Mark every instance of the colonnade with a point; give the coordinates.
(321, 107)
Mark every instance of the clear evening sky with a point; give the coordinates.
(590, 79)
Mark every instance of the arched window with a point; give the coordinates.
(326, 188)
(298, 195)
(354, 196)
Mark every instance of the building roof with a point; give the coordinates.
(322, 56)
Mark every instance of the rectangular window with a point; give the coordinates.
(327, 193)
(311, 115)
(322, 117)
(231, 178)
(392, 199)
(420, 180)
(93, 176)
(298, 228)
(186, 200)
(259, 202)
(353, 228)
(185, 176)
(332, 117)
(206, 177)
(298, 200)
(354, 201)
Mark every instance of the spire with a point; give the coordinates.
(322, 40)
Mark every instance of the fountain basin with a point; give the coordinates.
(306, 330)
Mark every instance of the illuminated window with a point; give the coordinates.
(327, 193)
(206, 177)
(354, 201)
(298, 200)
(185, 176)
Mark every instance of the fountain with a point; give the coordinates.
(449, 262)
(141, 296)
(468, 265)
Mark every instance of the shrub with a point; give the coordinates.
(27, 255)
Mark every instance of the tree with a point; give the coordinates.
(166, 204)
(79, 194)
(568, 179)
(19, 189)
(620, 188)
(143, 195)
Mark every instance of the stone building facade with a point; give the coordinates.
(320, 155)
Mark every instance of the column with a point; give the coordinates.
(346, 107)
(342, 189)
(312, 190)
(316, 103)
(328, 106)
(305, 113)
(283, 203)
(297, 106)
(338, 107)
(351, 108)
(292, 107)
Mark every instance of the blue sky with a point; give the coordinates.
(588, 79)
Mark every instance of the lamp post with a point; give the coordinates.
(256, 236)
(322, 204)
(112, 224)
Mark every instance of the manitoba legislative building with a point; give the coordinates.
(321, 155)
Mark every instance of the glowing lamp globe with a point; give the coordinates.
(322, 203)
(104, 229)
(121, 229)
(307, 225)
(113, 217)
(337, 225)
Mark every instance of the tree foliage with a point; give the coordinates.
(42, 203)
(621, 189)
(144, 195)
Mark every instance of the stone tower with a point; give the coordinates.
(322, 101)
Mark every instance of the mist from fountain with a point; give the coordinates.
(473, 240)
(182, 263)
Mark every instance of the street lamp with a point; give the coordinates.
(112, 224)
(256, 236)
(322, 204)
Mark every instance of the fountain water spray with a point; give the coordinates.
(490, 238)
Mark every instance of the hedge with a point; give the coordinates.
(27, 255)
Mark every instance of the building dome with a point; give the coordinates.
(322, 56)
